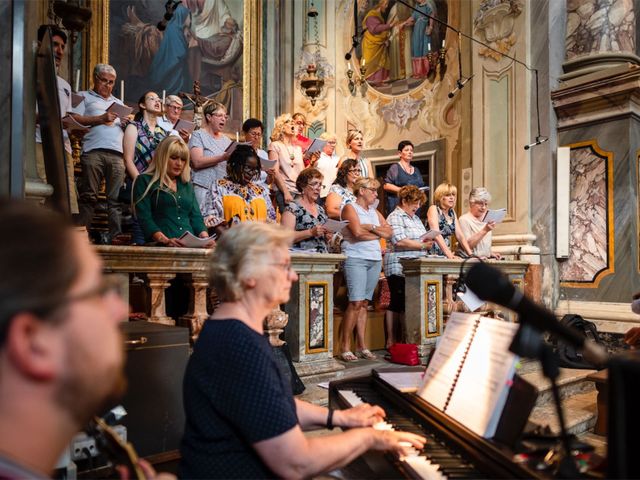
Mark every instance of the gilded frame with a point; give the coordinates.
(608, 157)
(438, 312)
(324, 286)
(98, 50)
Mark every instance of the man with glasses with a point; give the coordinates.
(61, 352)
(172, 111)
(101, 150)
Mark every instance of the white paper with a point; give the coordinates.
(470, 300)
(122, 111)
(72, 125)
(316, 146)
(189, 240)
(403, 381)
(495, 215)
(430, 235)
(324, 385)
(233, 145)
(423, 189)
(182, 124)
(265, 163)
(335, 226)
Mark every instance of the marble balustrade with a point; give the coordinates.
(429, 296)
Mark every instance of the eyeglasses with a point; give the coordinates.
(105, 81)
(109, 284)
(254, 134)
(355, 170)
(175, 107)
(314, 184)
(371, 189)
(286, 266)
(220, 115)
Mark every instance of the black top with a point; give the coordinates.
(398, 177)
(234, 397)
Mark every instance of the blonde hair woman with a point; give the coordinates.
(289, 159)
(163, 198)
(442, 216)
(355, 144)
(362, 267)
(208, 149)
(233, 378)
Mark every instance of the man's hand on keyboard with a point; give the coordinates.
(402, 443)
(363, 415)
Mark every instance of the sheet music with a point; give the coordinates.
(315, 146)
(430, 235)
(483, 385)
(122, 111)
(495, 215)
(403, 381)
(189, 240)
(335, 226)
(233, 145)
(447, 359)
(186, 125)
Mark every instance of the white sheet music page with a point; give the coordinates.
(486, 376)
(447, 359)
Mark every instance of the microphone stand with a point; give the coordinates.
(528, 343)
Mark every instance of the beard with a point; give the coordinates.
(83, 393)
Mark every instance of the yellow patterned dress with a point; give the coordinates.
(228, 201)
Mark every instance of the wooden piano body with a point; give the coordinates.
(458, 451)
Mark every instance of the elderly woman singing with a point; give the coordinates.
(242, 420)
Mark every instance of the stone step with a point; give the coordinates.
(570, 382)
(579, 410)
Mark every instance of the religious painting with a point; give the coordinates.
(166, 50)
(317, 317)
(432, 312)
(400, 46)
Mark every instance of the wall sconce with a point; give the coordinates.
(437, 62)
(357, 79)
(74, 17)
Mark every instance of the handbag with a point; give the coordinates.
(404, 353)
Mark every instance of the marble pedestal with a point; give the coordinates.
(309, 332)
(429, 295)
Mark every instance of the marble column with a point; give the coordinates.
(197, 313)
(158, 283)
(600, 34)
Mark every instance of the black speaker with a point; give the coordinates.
(623, 442)
(157, 357)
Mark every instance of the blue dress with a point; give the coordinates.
(419, 40)
(169, 69)
(447, 229)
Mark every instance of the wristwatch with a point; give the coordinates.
(373, 228)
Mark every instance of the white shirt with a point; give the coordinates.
(100, 136)
(64, 97)
(328, 166)
(167, 125)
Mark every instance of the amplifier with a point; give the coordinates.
(157, 357)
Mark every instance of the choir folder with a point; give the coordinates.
(472, 370)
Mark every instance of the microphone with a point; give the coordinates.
(538, 141)
(490, 284)
(347, 56)
(459, 86)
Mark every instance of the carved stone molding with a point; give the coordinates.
(495, 21)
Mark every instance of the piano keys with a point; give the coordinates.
(452, 451)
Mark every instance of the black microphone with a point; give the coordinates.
(489, 284)
(538, 141)
(459, 86)
(347, 56)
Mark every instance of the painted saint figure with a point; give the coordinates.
(375, 44)
(421, 38)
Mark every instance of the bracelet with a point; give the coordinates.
(330, 420)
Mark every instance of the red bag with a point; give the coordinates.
(404, 353)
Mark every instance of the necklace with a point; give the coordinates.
(292, 157)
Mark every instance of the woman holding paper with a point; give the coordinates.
(341, 192)
(208, 148)
(407, 241)
(477, 232)
(164, 202)
(287, 152)
(142, 136)
(362, 267)
(304, 216)
(238, 197)
(355, 145)
(442, 216)
(401, 174)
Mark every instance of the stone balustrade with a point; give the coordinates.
(429, 296)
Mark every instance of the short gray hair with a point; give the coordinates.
(171, 99)
(479, 194)
(104, 68)
(242, 250)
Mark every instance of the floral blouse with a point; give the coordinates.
(447, 229)
(304, 221)
(229, 201)
(345, 193)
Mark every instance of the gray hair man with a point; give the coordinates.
(101, 150)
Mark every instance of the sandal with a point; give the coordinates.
(348, 356)
(366, 354)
